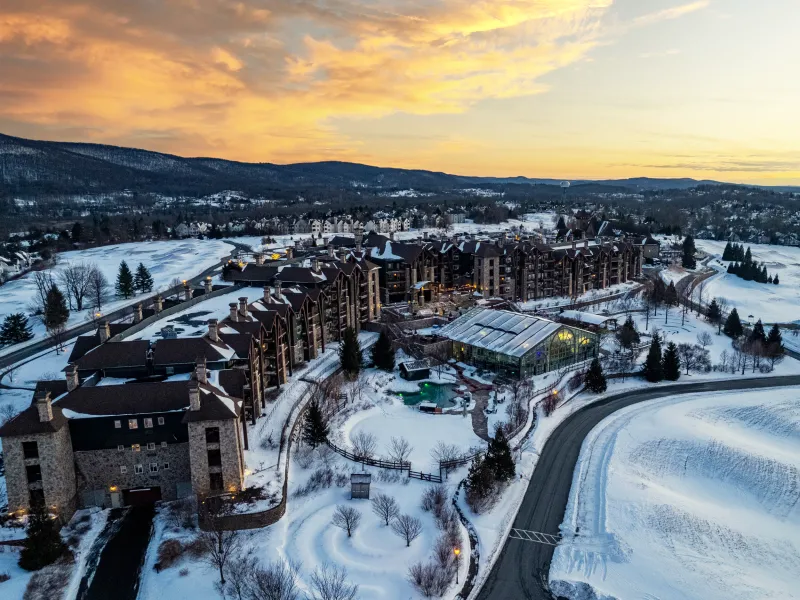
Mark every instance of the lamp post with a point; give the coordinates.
(457, 552)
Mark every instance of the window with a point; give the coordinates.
(30, 449)
(214, 458)
(151, 446)
(166, 466)
(160, 420)
(212, 435)
(117, 424)
(120, 448)
(123, 469)
(163, 444)
(138, 469)
(215, 480)
(136, 448)
(133, 423)
(148, 422)
(34, 473)
(154, 467)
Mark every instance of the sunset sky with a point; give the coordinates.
(542, 88)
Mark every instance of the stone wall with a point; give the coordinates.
(98, 470)
(230, 448)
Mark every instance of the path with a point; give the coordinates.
(522, 569)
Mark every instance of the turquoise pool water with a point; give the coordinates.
(441, 394)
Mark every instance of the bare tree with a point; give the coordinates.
(693, 357)
(76, 280)
(58, 333)
(723, 311)
(364, 444)
(98, 288)
(43, 281)
(347, 518)
(7, 413)
(443, 452)
(219, 545)
(399, 449)
(330, 583)
(385, 507)
(276, 581)
(238, 573)
(407, 527)
(704, 339)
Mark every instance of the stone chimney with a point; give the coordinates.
(343, 255)
(44, 406)
(213, 330)
(573, 244)
(104, 331)
(290, 253)
(316, 265)
(259, 257)
(424, 235)
(359, 241)
(137, 313)
(234, 316)
(72, 377)
(187, 291)
(200, 370)
(585, 243)
(243, 306)
(278, 288)
(331, 251)
(391, 235)
(158, 304)
(194, 396)
(267, 295)
(208, 285)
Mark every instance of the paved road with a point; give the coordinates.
(522, 568)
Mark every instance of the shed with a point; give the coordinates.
(359, 485)
(414, 370)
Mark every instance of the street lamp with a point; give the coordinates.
(457, 552)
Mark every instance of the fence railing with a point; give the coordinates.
(369, 461)
(425, 476)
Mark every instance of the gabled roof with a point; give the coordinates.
(27, 423)
(232, 381)
(84, 343)
(115, 354)
(182, 351)
(215, 405)
(125, 399)
(240, 342)
(390, 250)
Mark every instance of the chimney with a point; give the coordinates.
(290, 253)
(267, 295)
(208, 285)
(243, 306)
(187, 291)
(72, 377)
(585, 243)
(325, 241)
(234, 316)
(104, 331)
(213, 330)
(194, 396)
(44, 406)
(259, 258)
(573, 244)
(331, 251)
(343, 255)
(158, 304)
(278, 288)
(359, 240)
(391, 235)
(316, 265)
(137, 313)
(424, 235)
(200, 371)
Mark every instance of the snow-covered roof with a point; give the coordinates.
(385, 254)
(585, 317)
(500, 331)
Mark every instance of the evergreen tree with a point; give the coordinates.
(671, 295)
(714, 314)
(383, 353)
(775, 279)
(498, 457)
(653, 370)
(125, 287)
(143, 281)
(43, 544)
(689, 251)
(728, 252)
(15, 329)
(350, 353)
(595, 378)
(315, 429)
(774, 343)
(627, 336)
(733, 325)
(479, 485)
(77, 232)
(758, 334)
(56, 312)
(671, 363)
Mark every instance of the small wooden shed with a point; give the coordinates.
(414, 370)
(359, 485)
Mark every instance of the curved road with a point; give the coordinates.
(522, 568)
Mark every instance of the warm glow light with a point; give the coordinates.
(113, 488)
(456, 551)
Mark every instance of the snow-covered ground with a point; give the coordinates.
(673, 274)
(166, 260)
(688, 497)
(771, 303)
(591, 296)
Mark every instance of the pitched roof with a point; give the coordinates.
(27, 423)
(181, 351)
(115, 354)
(56, 387)
(125, 399)
(240, 342)
(215, 405)
(232, 381)
(84, 343)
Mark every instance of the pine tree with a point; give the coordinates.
(627, 335)
(595, 378)
(125, 287)
(774, 343)
(775, 279)
(758, 334)
(671, 363)
(733, 325)
(671, 295)
(479, 485)
(143, 280)
(43, 543)
(350, 353)
(653, 370)
(77, 232)
(56, 312)
(15, 329)
(383, 353)
(714, 313)
(728, 252)
(315, 429)
(498, 457)
(689, 251)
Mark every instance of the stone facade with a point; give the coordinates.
(57, 468)
(231, 454)
(98, 471)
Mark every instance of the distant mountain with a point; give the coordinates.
(31, 166)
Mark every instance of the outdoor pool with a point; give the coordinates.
(440, 394)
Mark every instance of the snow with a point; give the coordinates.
(386, 254)
(688, 497)
(771, 303)
(673, 274)
(593, 295)
(166, 260)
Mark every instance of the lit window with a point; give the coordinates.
(160, 420)
(138, 469)
(133, 423)
(136, 448)
(148, 422)
(123, 469)
(117, 424)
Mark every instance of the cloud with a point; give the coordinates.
(674, 12)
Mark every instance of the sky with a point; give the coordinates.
(543, 88)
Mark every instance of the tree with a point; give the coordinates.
(775, 279)
(671, 363)
(714, 314)
(733, 326)
(479, 485)
(689, 250)
(76, 279)
(43, 280)
(219, 545)
(350, 353)
(77, 232)
(774, 344)
(444, 452)
(727, 254)
(383, 353)
(704, 339)
(98, 288)
(143, 280)
(595, 378)
(399, 449)
(653, 370)
(407, 527)
(56, 312)
(315, 429)
(15, 329)
(627, 336)
(347, 518)
(385, 507)
(758, 334)
(43, 544)
(276, 581)
(125, 286)
(498, 457)
(330, 583)
(364, 445)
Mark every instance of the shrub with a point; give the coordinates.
(183, 572)
(433, 498)
(169, 552)
(4, 577)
